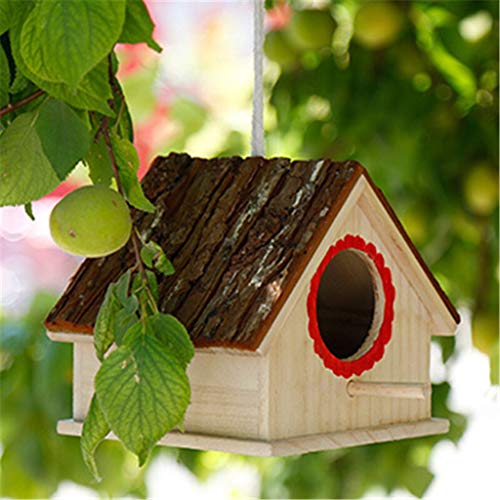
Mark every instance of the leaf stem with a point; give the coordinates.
(12, 107)
(151, 299)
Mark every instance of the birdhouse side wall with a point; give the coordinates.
(227, 394)
(305, 397)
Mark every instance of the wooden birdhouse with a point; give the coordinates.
(310, 309)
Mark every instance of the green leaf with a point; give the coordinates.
(108, 325)
(121, 287)
(173, 335)
(99, 162)
(128, 164)
(5, 16)
(149, 251)
(153, 256)
(138, 25)
(153, 284)
(62, 40)
(92, 93)
(94, 431)
(143, 391)
(104, 328)
(417, 480)
(125, 318)
(138, 287)
(125, 125)
(65, 138)
(4, 78)
(28, 208)
(25, 171)
(19, 84)
(164, 265)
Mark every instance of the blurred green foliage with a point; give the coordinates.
(414, 98)
(35, 392)
(410, 90)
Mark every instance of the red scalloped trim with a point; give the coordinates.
(357, 366)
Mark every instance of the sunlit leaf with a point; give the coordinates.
(91, 93)
(63, 40)
(143, 391)
(138, 25)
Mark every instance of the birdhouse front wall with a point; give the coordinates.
(305, 397)
(228, 393)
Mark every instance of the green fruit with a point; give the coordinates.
(485, 331)
(377, 24)
(481, 189)
(278, 49)
(311, 29)
(91, 221)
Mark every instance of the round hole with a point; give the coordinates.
(348, 305)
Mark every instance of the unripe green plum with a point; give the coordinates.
(311, 29)
(91, 221)
(278, 49)
(481, 189)
(377, 24)
(485, 331)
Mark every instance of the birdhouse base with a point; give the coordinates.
(291, 446)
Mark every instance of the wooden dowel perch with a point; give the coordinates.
(389, 389)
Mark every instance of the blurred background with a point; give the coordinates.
(409, 89)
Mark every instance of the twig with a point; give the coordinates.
(135, 244)
(115, 88)
(104, 128)
(12, 107)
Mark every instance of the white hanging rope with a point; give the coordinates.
(258, 91)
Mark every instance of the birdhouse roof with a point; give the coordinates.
(239, 233)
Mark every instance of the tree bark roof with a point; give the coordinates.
(239, 233)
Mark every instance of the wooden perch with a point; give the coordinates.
(389, 389)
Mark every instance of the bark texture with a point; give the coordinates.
(239, 233)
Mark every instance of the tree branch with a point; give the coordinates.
(12, 107)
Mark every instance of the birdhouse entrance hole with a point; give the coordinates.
(350, 307)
